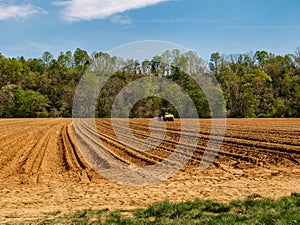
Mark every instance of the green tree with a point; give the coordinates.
(81, 57)
(47, 58)
(262, 57)
(214, 63)
(7, 100)
(29, 103)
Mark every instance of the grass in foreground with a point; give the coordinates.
(252, 210)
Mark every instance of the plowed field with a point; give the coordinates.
(43, 171)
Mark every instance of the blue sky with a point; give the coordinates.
(30, 27)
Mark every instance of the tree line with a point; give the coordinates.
(259, 84)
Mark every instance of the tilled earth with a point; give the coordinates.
(43, 170)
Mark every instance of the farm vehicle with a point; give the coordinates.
(166, 115)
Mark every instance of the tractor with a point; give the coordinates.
(166, 115)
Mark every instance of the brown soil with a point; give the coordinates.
(43, 171)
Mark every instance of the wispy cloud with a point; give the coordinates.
(182, 20)
(120, 19)
(28, 49)
(76, 10)
(262, 27)
(38, 46)
(18, 11)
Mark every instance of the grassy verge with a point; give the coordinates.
(252, 210)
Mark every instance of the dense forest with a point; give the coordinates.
(259, 84)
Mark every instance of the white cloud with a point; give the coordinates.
(18, 11)
(76, 10)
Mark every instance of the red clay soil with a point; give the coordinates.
(42, 170)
